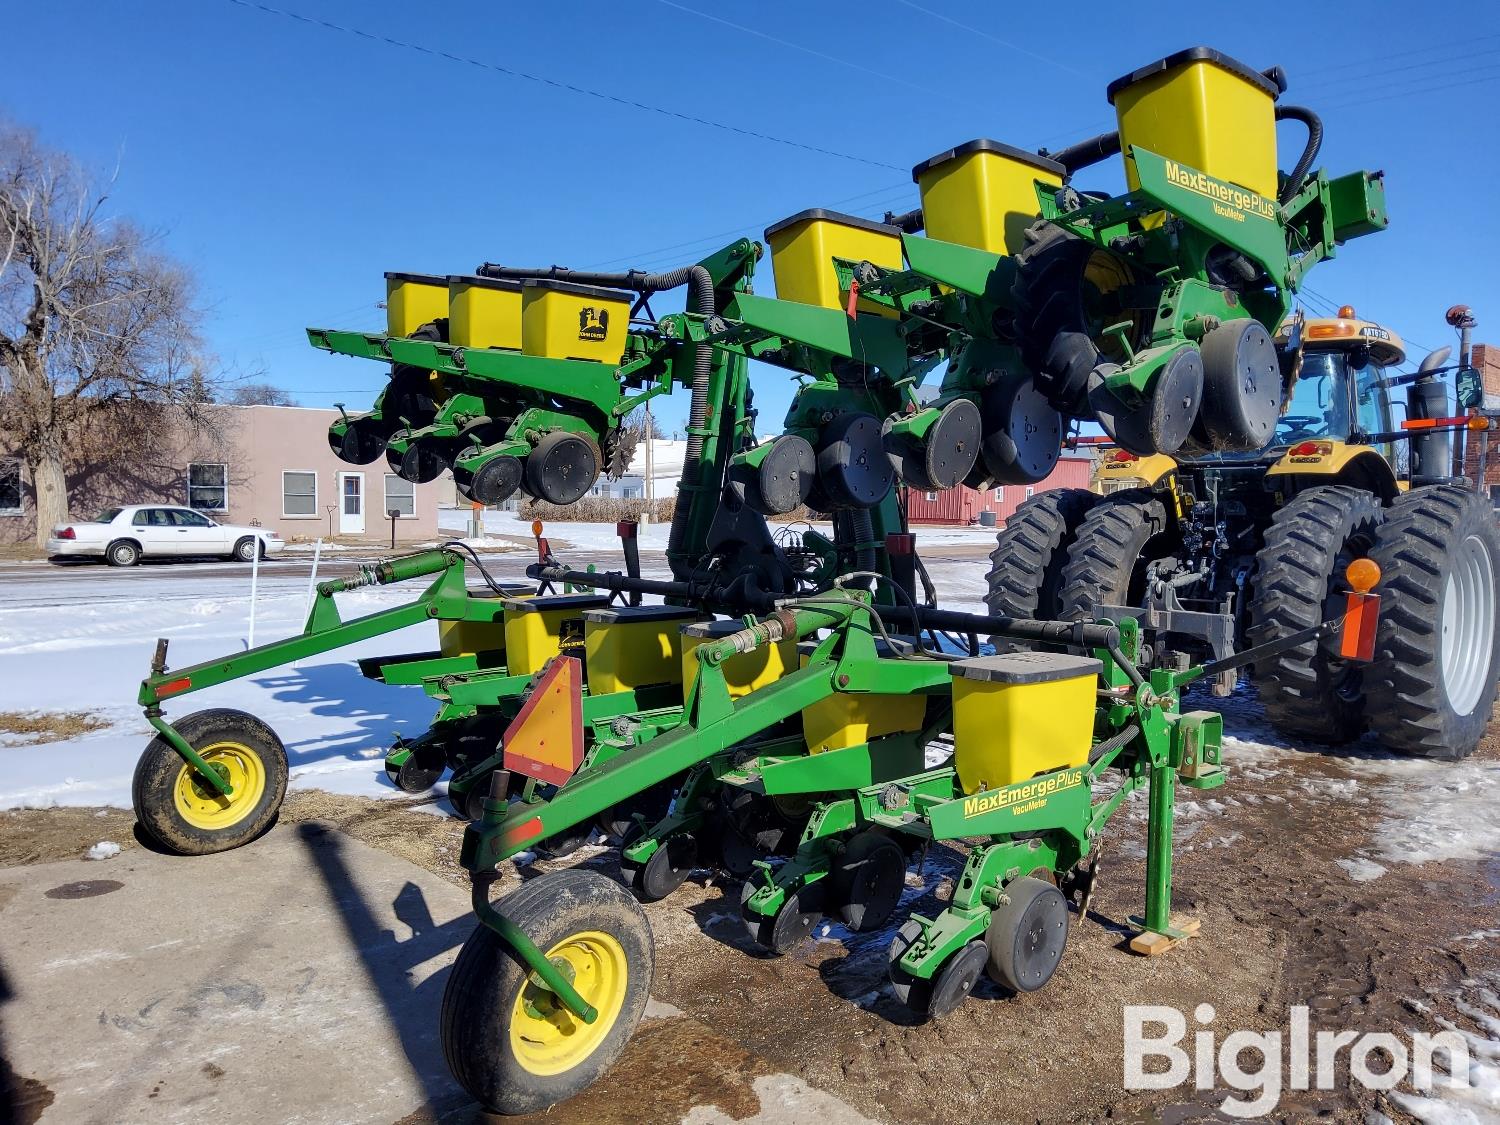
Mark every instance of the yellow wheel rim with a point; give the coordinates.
(548, 1039)
(204, 807)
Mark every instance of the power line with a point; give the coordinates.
(808, 50)
(1414, 93)
(1386, 72)
(554, 83)
(992, 38)
(1367, 62)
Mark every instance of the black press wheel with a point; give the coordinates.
(183, 812)
(1027, 934)
(562, 468)
(868, 877)
(957, 978)
(1308, 692)
(508, 1040)
(667, 869)
(411, 777)
(1027, 562)
(800, 912)
(1437, 648)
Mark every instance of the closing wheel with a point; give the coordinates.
(410, 777)
(1163, 422)
(496, 480)
(362, 441)
(183, 812)
(1242, 387)
(1307, 691)
(853, 468)
(800, 912)
(868, 877)
(957, 978)
(667, 869)
(914, 992)
(946, 453)
(562, 468)
(1022, 433)
(421, 463)
(785, 476)
(1027, 934)
(1437, 647)
(510, 1041)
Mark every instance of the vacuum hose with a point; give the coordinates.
(1085, 153)
(700, 285)
(1304, 164)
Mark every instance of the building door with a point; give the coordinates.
(351, 503)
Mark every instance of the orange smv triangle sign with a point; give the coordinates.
(545, 740)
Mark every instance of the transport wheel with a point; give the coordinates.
(793, 923)
(957, 978)
(868, 877)
(1308, 692)
(914, 992)
(1437, 647)
(1106, 565)
(244, 550)
(1026, 565)
(666, 870)
(410, 777)
(508, 1040)
(179, 810)
(1067, 291)
(561, 468)
(122, 552)
(1027, 934)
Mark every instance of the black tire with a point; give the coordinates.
(1027, 935)
(1106, 564)
(1058, 302)
(409, 777)
(868, 877)
(1026, 565)
(561, 468)
(1422, 549)
(914, 992)
(666, 870)
(800, 912)
(1308, 692)
(487, 982)
(123, 552)
(244, 550)
(178, 810)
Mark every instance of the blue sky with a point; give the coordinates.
(291, 164)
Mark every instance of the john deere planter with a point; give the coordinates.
(803, 696)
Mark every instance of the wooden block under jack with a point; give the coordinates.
(1149, 943)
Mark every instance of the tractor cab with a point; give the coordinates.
(1338, 386)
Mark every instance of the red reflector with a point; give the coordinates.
(173, 687)
(626, 529)
(900, 543)
(1304, 449)
(1122, 456)
(1357, 641)
(851, 310)
(526, 830)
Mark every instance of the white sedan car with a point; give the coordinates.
(123, 536)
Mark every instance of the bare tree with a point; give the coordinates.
(92, 318)
(257, 394)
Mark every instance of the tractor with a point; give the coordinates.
(1187, 543)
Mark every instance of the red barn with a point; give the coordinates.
(963, 505)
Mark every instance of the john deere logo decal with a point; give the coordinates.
(1024, 796)
(1229, 201)
(593, 324)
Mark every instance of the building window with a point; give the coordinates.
(299, 493)
(999, 496)
(400, 496)
(1494, 494)
(208, 487)
(10, 486)
(930, 497)
(1029, 491)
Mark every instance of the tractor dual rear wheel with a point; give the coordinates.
(1437, 646)
(1116, 540)
(511, 1042)
(185, 814)
(1027, 563)
(1307, 691)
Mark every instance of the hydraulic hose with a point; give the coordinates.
(700, 285)
(908, 221)
(1085, 153)
(1304, 164)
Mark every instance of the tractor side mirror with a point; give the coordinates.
(1434, 360)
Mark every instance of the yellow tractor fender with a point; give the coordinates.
(1143, 472)
(1336, 462)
